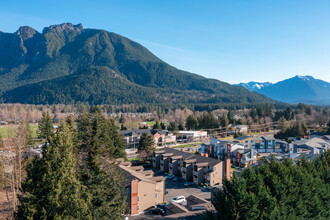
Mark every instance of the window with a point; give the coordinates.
(138, 198)
(155, 195)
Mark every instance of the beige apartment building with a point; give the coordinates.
(144, 190)
(190, 167)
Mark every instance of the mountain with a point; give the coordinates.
(67, 63)
(304, 89)
(255, 86)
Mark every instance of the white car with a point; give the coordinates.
(178, 199)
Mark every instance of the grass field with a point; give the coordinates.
(8, 131)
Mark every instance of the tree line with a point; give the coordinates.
(277, 190)
(76, 177)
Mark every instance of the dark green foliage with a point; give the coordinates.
(157, 126)
(328, 128)
(224, 122)
(253, 112)
(277, 190)
(100, 143)
(207, 120)
(69, 64)
(173, 127)
(191, 123)
(146, 143)
(298, 131)
(52, 189)
(45, 127)
(123, 127)
(230, 117)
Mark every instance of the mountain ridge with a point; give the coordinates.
(61, 53)
(305, 89)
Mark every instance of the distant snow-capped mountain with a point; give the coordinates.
(255, 86)
(305, 89)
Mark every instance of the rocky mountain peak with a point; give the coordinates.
(26, 32)
(63, 26)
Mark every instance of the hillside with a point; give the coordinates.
(67, 64)
(305, 89)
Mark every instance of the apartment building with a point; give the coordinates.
(192, 135)
(161, 137)
(144, 190)
(190, 167)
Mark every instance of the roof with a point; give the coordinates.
(130, 174)
(243, 137)
(174, 208)
(314, 143)
(135, 131)
(188, 156)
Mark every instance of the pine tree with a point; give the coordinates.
(191, 123)
(277, 190)
(45, 127)
(224, 122)
(157, 126)
(146, 143)
(52, 189)
(100, 144)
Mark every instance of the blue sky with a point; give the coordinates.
(233, 41)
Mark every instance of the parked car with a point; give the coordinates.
(188, 184)
(178, 199)
(157, 211)
(176, 179)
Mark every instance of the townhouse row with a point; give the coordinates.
(190, 167)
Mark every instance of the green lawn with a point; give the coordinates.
(8, 131)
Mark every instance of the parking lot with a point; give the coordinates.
(176, 189)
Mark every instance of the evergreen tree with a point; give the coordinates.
(162, 125)
(191, 122)
(45, 127)
(157, 126)
(276, 190)
(253, 113)
(173, 127)
(224, 122)
(100, 144)
(123, 127)
(181, 127)
(122, 119)
(52, 189)
(230, 117)
(146, 143)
